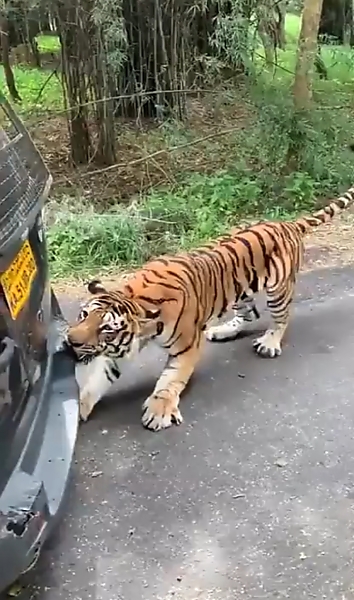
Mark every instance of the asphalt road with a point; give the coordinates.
(251, 498)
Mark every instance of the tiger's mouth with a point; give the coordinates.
(81, 354)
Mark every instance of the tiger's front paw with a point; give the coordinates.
(87, 404)
(160, 411)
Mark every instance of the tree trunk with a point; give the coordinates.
(336, 24)
(158, 54)
(281, 10)
(87, 80)
(271, 28)
(105, 153)
(165, 41)
(302, 88)
(266, 32)
(5, 51)
(268, 45)
(306, 53)
(74, 83)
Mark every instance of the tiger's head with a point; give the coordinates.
(110, 324)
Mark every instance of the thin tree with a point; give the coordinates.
(5, 53)
(86, 77)
(306, 53)
(271, 28)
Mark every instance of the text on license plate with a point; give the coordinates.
(17, 279)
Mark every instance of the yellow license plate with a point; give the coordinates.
(17, 280)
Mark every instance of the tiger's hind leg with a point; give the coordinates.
(245, 312)
(279, 298)
(161, 409)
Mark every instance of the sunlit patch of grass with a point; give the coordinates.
(48, 43)
(39, 90)
(339, 61)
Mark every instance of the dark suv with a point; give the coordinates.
(38, 390)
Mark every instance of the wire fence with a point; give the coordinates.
(24, 179)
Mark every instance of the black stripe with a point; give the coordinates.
(159, 276)
(247, 271)
(274, 227)
(275, 266)
(180, 260)
(179, 278)
(248, 245)
(157, 300)
(109, 376)
(235, 281)
(200, 280)
(213, 260)
(162, 260)
(170, 341)
(224, 274)
(232, 250)
(115, 371)
(186, 349)
(260, 241)
(126, 338)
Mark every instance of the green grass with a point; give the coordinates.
(339, 60)
(202, 207)
(292, 27)
(85, 242)
(48, 43)
(40, 92)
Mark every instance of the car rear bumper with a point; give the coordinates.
(33, 497)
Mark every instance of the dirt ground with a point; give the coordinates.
(331, 244)
(328, 246)
(146, 153)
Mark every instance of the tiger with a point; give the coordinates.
(174, 300)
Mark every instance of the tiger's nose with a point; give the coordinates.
(72, 341)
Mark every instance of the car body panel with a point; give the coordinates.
(38, 390)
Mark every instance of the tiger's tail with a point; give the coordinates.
(327, 213)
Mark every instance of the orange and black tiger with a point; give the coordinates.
(173, 299)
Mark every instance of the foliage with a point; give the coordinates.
(48, 43)
(200, 209)
(234, 39)
(107, 16)
(295, 6)
(255, 180)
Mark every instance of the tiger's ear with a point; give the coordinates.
(149, 326)
(151, 314)
(96, 287)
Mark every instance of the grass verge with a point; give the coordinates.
(85, 241)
